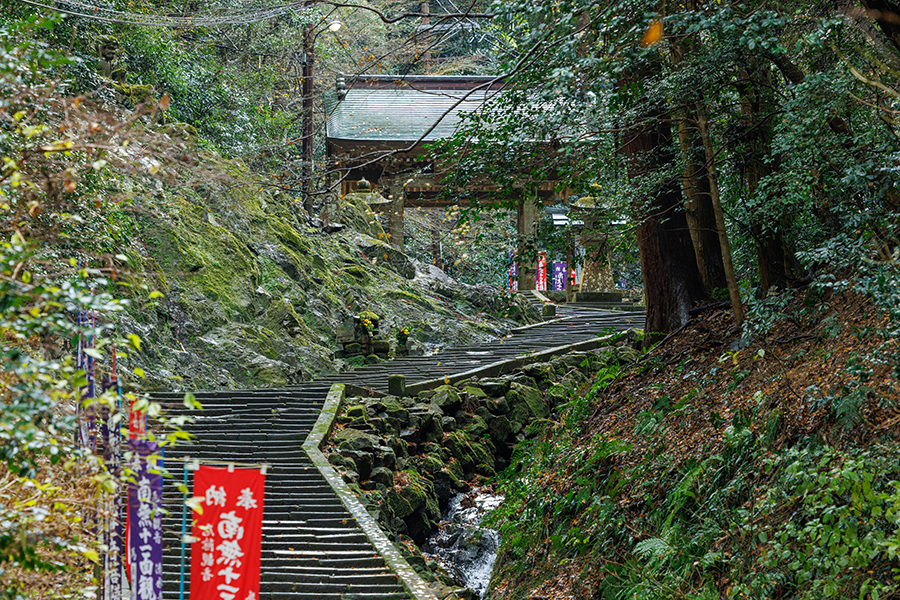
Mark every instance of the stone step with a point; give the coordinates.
(286, 573)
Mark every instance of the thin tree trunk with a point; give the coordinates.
(698, 207)
(695, 183)
(774, 258)
(733, 290)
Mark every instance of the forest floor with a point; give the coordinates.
(820, 370)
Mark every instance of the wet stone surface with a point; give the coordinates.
(461, 545)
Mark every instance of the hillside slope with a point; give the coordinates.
(252, 298)
(713, 468)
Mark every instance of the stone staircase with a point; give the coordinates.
(313, 548)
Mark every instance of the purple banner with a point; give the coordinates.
(559, 276)
(145, 523)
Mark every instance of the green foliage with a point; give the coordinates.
(743, 521)
(842, 537)
(35, 309)
(55, 215)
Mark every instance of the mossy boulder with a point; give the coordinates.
(337, 460)
(472, 455)
(133, 94)
(364, 462)
(525, 403)
(540, 372)
(604, 356)
(497, 406)
(354, 439)
(412, 493)
(447, 398)
(357, 410)
(523, 379)
(477, 428)
(385, 457)
(390, 406)
(382, 476)
(627, 354)
(500, 429)
(383, 253)
(430, 464)
(474, 392)
(493, 387)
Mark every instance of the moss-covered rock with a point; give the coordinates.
(447, 398)
(497, 406)
(354, 211)
(412, 493)
(493, 387)
(430, 464)
(474, 392)
(364, 462)
(626, 354)
(471, 455)
(354, 439)
(542, 373)
(500, 429)
(477, 428)
(382, 476)
(358, 410)
(525, 403)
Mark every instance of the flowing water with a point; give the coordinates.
(465, 549)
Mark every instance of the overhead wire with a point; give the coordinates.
(246, 16)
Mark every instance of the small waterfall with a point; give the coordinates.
(465, 549)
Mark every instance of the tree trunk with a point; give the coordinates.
(698, 206)
(887, 14)
(669, 271)
(775, 260)
(733, 291)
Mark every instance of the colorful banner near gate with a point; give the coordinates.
(145, 523)
(225, 555)
(559, 276)
(542, 272)
(513, 271)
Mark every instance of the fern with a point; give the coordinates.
(652, 548)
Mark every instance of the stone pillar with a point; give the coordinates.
(596, 275)
(395, 216)
(526, 262)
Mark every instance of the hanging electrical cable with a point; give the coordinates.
(246, 16)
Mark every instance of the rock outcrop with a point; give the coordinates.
(407, 457)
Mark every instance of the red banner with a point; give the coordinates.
(137, 422)
(225, 556)
(542, 271)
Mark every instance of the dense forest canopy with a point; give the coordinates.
(782, 113)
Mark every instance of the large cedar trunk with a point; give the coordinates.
(669, 271)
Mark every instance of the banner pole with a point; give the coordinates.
(183, 533)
